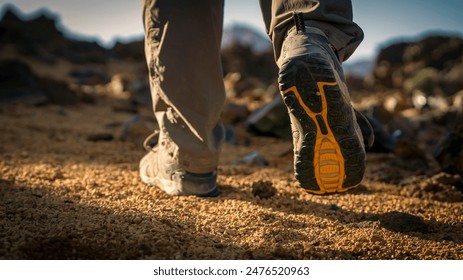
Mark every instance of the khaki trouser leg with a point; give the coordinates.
(182, 45)
(333, 17)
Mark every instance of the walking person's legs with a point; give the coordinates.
(182, 44)
(310, 40)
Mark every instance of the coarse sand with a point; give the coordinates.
(65, 197)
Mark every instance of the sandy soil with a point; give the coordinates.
(65, 197)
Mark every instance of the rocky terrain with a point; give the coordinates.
(73, 116)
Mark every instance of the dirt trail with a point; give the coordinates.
(64, 197)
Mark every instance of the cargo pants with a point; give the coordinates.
(182, 47)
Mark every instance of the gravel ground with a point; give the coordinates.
(63, 196)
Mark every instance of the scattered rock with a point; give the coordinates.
(414, 158)
(446, 179)
(449, 152)
(442, 187)
(118, 85)
(59, 92)
(234, 113)
(457, 100)
(425, 82)
(140, 93)
(252, 65)
(100, 137)
(271, 120)
(432, 65)
(383, 141)
(263, 189)
(452, 81)
(254, 159)
(334, 207)
(18, 83)
(134, 130)
(89, 76)
(237, 135)
(389, 59)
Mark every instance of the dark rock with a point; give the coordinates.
(237, 135)
(414, 158)
(253, 158)
(124, 106)
(133, 130)
(19, 84)
(271, 120)
(388, 60)
(442, 187)
(238, 85)
(457, 100)
(384, 142)
(402, 222)
(393, 54)
(58, 92)
(446, 179)
(436, 51)
(241, 58)
(398, 62)
(130, 88)
(426, 81)
(449, 152)
(90, 76)
(263, 189)
(96, 137)
(452, 80)
(87, 98)
(234, 113)
(355, 83)
(140, 93)
(334, 207)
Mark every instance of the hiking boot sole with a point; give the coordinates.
(174, 189)
(330, 156)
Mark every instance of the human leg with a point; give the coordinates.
(333, 17)
(182, 45)
(310, 40)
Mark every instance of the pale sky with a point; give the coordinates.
(381, 20)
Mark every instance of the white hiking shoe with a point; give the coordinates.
(160, 169)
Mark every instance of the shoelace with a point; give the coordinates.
(148, 139)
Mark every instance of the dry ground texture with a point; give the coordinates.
(65, 197)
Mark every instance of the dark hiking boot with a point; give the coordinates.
(329, 150)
